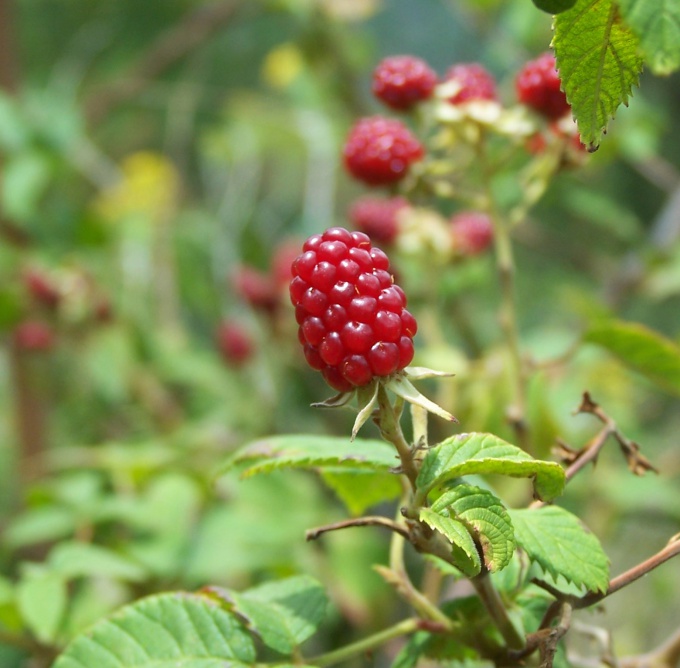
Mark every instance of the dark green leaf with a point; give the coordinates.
(485, 453)
(554, 6)
(561, 545)
(641, 349)
(598, 61)
(177, 630)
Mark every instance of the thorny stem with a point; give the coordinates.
(505, 265)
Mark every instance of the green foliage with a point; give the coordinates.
(598, 61)
(475, 453)
(554, 6)
(558, 542)
(657, 23)
(641, 349)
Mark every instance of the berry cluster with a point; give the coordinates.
(474, 81)
(353, 322)
(472, 232)
(378, 217)
(403, 81)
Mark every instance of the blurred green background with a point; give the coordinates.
(152, 151)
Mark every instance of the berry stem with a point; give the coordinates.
(505, 265)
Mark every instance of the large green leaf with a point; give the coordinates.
(485, 453)
(177, 630)
(657, 24)
(283, 613)
(561, 545)
(642, 349)
(463, 549)
(305, 451)
(485, 517)
(598, 61)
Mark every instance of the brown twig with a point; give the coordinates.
(192, 31)
(370, 520)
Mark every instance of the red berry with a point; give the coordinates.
(402, 81)
(380, 151)
(256, 288)
(378, 217)
(356, 328)
(34, 335)
(475, 82)
(538, 86)
(472, 232)
(234, 343)
(42, 289)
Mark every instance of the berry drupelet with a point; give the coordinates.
(354, 326)
(538, 86)
(380, 151)
(403, 81)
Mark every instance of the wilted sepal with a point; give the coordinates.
(336, 401)
(400, 385)
(368, 400)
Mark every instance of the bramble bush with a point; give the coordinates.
(474, 540)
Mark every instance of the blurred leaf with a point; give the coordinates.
(558, 541)
(42, 599)
(641, 349)
(25, 179)
(554, 6)
(284, 613)
(485, 517)
(14, 132)
(10, 308)
(657, 24)
(464, 550)
(307, 452)
(598, 61)
(74, 560)
(359, 489)
(163, 632)
(38, 525)
(464, 454)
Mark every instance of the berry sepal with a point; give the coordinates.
(401, 385)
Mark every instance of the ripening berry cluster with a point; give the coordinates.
(353, 324)
(380, 151)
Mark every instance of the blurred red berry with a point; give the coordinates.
(255, 288)
(472, 232)
(380, 151)
(403, 81)
(476, 83)
(283, 257)
(34, 335)
(538, 86)
(353, 322)
(378, 217)
(41, 288)
(234, 343)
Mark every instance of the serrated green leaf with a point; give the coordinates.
(485, 453)
(561, 545)
(41, 598)
(657, 24)
(359, 490)
(304, 451)
(283, 613)
(464, 550)
(641, 349)
(598, 61)
(177, 630)
(485, 516)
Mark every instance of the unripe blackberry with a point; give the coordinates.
(378, 217)
(403, 81)
(380, 151)
(538, 86)
(475, 82)
(354, 326)
(472, 232)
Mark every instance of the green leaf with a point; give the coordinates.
(305, 451)
(177, 630)
(598, 61)
(641, 349)
(74, 559)
(554, 6)
(26, 177)
(561, 545)
(485, 453)
(360, 490)
(657, 24)
(283, 613)
(485, 517)
(41, 596)
(464, 550)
